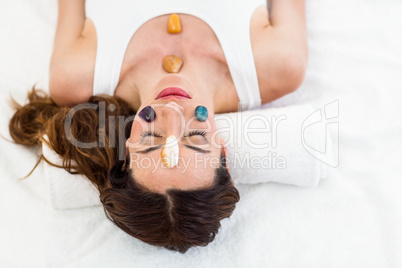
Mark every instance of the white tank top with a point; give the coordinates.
(116, 21)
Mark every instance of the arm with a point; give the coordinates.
(69, 64)
(70, 23)
(281, 50)
(288, 19)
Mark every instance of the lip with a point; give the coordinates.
(173, 92)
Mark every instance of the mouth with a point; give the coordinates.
(172, 92)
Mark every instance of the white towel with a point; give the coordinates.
(281, 158)
(276, 145)
(67, 191)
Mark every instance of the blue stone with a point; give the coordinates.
(147, 114)
(201, 113)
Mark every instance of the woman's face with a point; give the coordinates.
(199, 146)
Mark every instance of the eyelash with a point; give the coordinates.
(150, 133)
(196, 132)
(191, 133)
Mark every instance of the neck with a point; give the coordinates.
(204, 63)
(206, 72)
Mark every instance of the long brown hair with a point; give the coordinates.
(176, 220)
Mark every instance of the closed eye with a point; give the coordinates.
(150, 133)
(191, 133)
(195, 133)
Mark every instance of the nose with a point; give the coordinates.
(173, 118)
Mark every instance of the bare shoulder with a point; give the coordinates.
(279, 45)
(72, 67)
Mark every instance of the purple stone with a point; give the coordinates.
(147, 114)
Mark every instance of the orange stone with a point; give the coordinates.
(174, 25)
(172, 64)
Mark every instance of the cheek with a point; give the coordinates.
(216, 141)
(201, 164)
(194, 124)
(136, 130)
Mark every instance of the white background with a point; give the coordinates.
(353, 219)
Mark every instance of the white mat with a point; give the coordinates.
(353, 219)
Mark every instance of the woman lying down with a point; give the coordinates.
(139, 82)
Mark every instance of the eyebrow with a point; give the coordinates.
(150, 149)
(197, 149)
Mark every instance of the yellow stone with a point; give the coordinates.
(170, 152)
(174, 25)
(172, 64)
